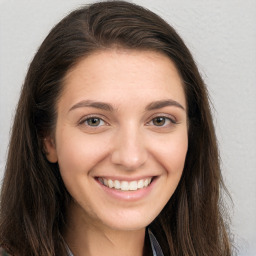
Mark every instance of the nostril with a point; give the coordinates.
(129, 158)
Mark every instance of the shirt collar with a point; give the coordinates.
(156, 248)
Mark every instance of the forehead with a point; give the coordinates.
(106, 74)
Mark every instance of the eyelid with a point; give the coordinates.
(172, 119)
(99, 116)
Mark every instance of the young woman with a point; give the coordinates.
(113, 149)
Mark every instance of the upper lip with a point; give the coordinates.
(126, 178)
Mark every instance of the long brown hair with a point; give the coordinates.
(34, 198)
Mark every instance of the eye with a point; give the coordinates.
(161, 121)
(93, 122)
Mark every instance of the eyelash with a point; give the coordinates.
(85, 121)
(88, 118)
(165, 118)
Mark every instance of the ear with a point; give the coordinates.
(50, 150)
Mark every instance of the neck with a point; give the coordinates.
(92, 239)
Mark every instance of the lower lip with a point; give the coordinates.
(129, 195)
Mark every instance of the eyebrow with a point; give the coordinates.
(92, 104)
(105, 106)
(164, 103)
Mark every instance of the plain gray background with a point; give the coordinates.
(222, 37)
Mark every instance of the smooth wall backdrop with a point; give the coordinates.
(222, 38)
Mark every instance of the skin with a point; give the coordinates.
(131, 138)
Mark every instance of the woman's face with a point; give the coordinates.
(121, 137)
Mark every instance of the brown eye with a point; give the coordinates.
(159, 121)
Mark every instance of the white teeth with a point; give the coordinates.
(125, 185)
(140, 183)
(133, 185)
(117, 184)
(146, 183)
(110, 183)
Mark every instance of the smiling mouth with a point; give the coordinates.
(125, 185)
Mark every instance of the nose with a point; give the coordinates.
(129, 150)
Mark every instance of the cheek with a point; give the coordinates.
(172, 153)
(79, 152)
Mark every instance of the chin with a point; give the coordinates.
(129, 222)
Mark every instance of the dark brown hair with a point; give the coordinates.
(34, 198)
